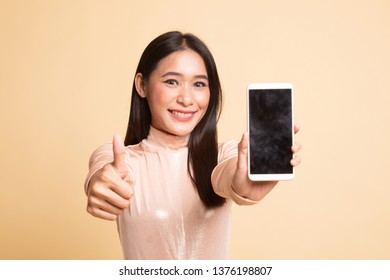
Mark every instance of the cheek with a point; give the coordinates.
(156, 97)
(203, 99)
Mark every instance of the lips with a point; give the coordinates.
(184, 115)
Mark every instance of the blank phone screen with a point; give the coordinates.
(270, 131)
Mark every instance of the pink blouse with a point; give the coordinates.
(166, 218)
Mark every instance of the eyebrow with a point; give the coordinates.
(179, 74)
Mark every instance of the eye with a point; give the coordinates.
(171, 82)
(200, 84)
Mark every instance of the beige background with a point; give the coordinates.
(65, 81)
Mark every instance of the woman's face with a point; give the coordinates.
(177, 92)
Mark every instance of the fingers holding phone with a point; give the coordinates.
(295, 149)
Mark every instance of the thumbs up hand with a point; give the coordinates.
(110, 188)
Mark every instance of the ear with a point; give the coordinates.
(140, 85)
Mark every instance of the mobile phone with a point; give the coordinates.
(271, 132)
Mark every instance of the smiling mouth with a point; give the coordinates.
(182, 114)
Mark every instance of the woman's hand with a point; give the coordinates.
(256, 190)
(296, 148)
(110, 187)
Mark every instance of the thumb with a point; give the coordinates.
(118, 148)
(243, 152)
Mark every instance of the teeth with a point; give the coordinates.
(180, 114)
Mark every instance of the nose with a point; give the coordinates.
(185, 98)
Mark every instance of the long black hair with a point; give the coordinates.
(203, 142)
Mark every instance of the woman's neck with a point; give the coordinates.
(163, 139)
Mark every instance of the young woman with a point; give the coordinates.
(171, 188)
